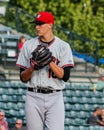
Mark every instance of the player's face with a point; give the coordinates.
(43, 29)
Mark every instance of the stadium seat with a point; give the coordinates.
(4, 98)
(11, 91)
(87, 107)
(96, 128)
(77, 107)
(10, 105)
(67, 92)
(83, 128)
(67, 99)
(21, 113)
(12, 112)
(73, 114)
(87, 93)
(23, 97)
(20, 91)
(84, 100)
(1, 90)
(102, 100)
(20, 105)
(3, 106)
(80, 121)
(82, 114)
(79, 93)
(75, 99)
(98, 94)
(68, 106)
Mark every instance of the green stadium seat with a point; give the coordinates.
(72, 127)
(83, 100)
(23, 97)
(67, 99)
(4, 98)
(75, 99)
(69, 121)
(77, 107)
(67, 114)
(73, 114)
(102, 100)
(83, 114)
(67, 92)
(86, 107)
(16, 98)
(83, 128)
(5, 84)
(1, 91)
(11, 91)
(20, 105)
(78, 93)
(21, 112)
(3, 106)
(87, 93)
(66, 127)
(98, 94)
(21, 91)
(10, 105)
(68, 106)
(12, 112)
(96, 128)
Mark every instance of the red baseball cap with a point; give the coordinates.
(44, 17)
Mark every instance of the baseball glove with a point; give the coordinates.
(41, 56)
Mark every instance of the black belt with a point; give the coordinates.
(42, 90)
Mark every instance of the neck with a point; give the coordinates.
(47, 38)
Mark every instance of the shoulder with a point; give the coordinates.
(32, 40)
(62, 42)
(30, 43)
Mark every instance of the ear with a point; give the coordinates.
(50, 25)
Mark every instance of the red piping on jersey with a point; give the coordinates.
(51, 42)
(21, 66)
(68, 65)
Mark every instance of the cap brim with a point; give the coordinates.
(37, 22)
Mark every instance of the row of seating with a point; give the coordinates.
(85, 93)
(69, 94)
(80, 127)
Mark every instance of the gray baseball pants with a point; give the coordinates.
(44, 110)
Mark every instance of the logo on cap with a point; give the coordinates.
(38, 16)
(45, 17)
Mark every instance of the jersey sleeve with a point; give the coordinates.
(66, 56)
(23, 58)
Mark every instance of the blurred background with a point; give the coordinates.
(78, 22)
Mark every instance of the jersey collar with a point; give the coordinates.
(47, 43)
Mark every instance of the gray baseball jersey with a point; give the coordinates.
(45, 77)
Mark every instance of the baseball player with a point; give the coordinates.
(45, 62)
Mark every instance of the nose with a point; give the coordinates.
(37, 26)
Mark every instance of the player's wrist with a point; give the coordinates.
(32, 64)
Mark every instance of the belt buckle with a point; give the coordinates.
(34, 89)
(45, 90)
(48, 90)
